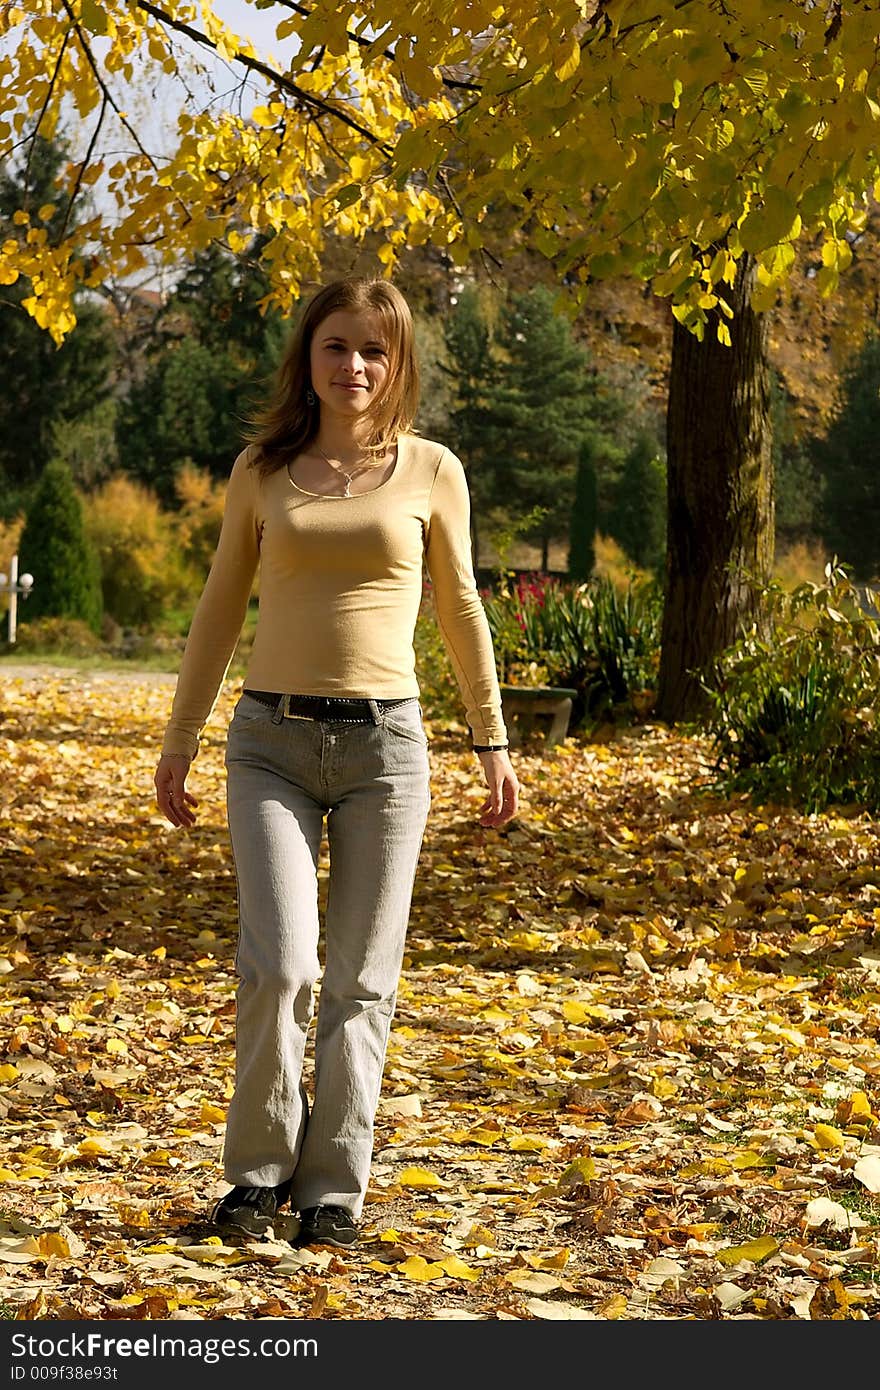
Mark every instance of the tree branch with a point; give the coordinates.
(82, 169)
(308, 99)
(43, 109)
(87, 52)
(388, 53)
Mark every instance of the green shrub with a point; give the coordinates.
(793, 703)
(56, 550)
(65, 636)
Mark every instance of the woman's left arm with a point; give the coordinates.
(466, 635)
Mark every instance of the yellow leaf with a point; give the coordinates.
(528, 940)
(574, 1011)
(159, 1158)
(53, 1244)
(856, 1110)
(8, 1072)
(211, 1114)
(527, 1143)
(94, 1148)
(581, 1170)
(457, 1269)
(567, 60)
(754, 1250)
(828, 1137)
(134, 1216)
(419, 1177)
(417, 1267)
(117, 1046)
(480, 1135)
(613, 1307)
(662, 1087)
(558, 1260)
(478, 1235)
(748, 1158)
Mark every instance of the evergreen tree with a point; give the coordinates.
(471, 369)
(796, 486)
(848, 461)
(584, 514)
(55, 550)
(638, 518)
(45, 388)
(543, 404)
(210, 360)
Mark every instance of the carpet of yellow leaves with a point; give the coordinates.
(634, 1071)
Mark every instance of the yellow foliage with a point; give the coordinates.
(141, 569)
(728, 129)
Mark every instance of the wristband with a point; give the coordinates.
(490, 747)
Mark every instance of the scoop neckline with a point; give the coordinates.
(340, 496)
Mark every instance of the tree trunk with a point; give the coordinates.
(720, 515)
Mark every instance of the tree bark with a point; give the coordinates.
(720, 512)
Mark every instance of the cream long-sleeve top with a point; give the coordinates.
(340, 589)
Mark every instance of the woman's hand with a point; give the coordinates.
(502, 802)
(172, 798)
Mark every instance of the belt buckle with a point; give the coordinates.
(287, 714)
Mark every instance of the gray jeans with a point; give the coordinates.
(371, 782)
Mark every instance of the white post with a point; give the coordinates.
(13, 597)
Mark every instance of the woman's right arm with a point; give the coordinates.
(218, 618)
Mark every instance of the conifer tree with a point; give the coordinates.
(45, 387)
(584, 514)
(543, 405)
(848, 460)
(54, 548)
(796, 486)
(471, 369)
(638, 518)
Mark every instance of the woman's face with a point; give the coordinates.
(349, 361)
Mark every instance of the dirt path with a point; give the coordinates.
(23, 670)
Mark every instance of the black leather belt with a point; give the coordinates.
(333, 708)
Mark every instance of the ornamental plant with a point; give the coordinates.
(793, 703)
(590, 637)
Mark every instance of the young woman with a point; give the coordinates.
(340, 504)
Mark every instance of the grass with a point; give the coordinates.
(98, 661)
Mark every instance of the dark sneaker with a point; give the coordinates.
(326, 1226)
(250, 1209)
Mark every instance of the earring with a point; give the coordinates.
(311, 398)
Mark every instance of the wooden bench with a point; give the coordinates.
(525, 705)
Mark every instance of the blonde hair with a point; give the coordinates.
(287, 423)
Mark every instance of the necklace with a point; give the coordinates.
(348, 474)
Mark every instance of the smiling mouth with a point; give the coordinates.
(351, 385)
